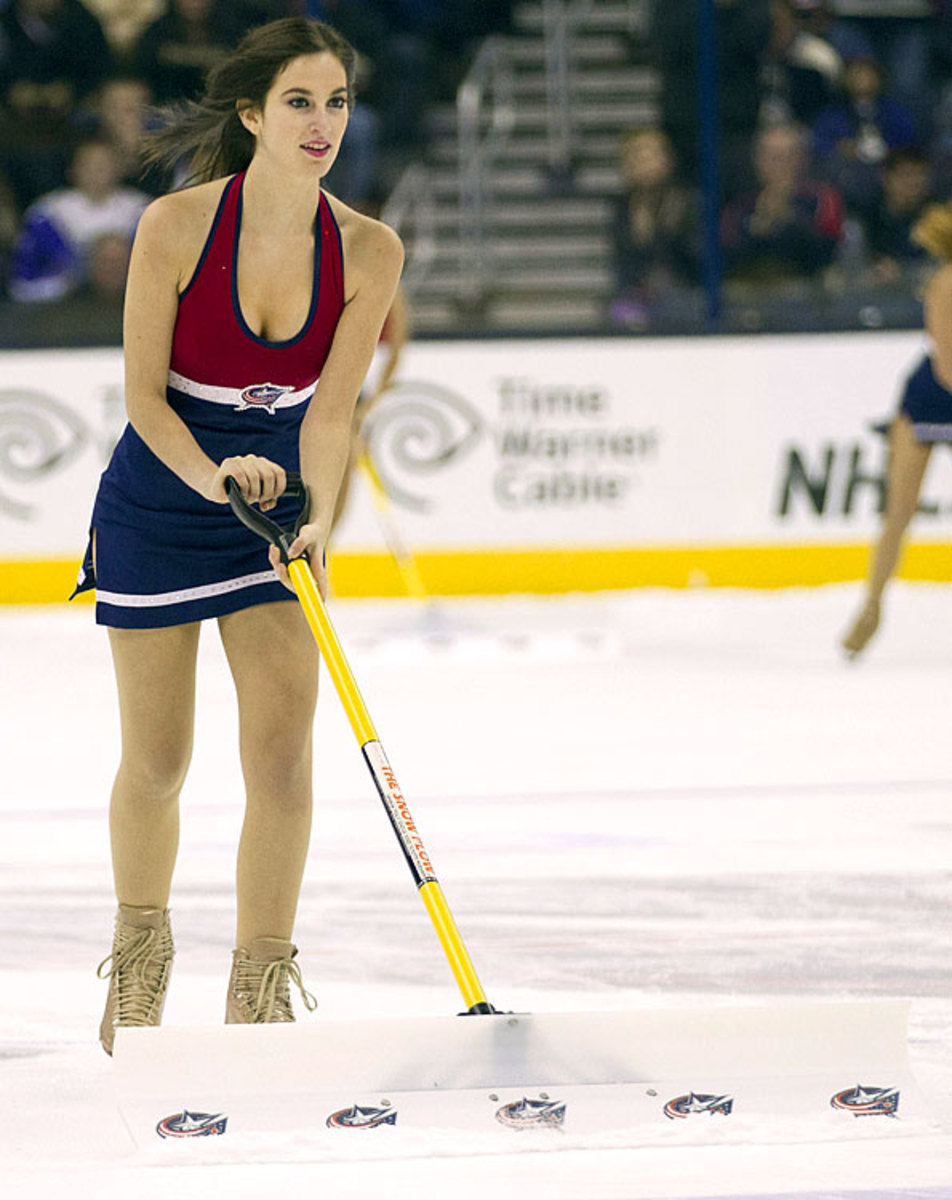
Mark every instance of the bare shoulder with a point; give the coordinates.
(939, 287)
(372, 250)
(176, 225)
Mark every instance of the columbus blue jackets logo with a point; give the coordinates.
(191, 1124)
(262, 395)
(361, 1117)
(682, 1107)
(520, 1114)
(867, 1101)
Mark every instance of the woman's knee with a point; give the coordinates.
(156, 769)
(276, 755)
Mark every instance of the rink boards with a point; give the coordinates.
(544, 466)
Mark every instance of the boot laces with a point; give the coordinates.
(140, 962)
(264, 987)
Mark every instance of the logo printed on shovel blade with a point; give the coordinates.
(867, 1101)
(682, 1107)
(360, 1116)
(191, 1124)
(521, 1114)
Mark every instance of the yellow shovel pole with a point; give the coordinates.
(388, 789)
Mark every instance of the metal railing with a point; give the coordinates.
(485, 116)
(411, 210)
(559, 20)
(562, 20)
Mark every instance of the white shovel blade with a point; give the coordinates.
(837, 1066)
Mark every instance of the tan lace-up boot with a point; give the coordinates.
(137, 969)
(259, 989)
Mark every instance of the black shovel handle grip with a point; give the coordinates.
(262, 525)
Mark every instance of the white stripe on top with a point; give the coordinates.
(268, 396)
(184, 595)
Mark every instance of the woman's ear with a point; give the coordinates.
(248, 115)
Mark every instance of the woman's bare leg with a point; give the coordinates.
(155, 674)
(274, 663)
(908, 459)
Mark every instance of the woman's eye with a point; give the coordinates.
(298, 101)
(337, 102)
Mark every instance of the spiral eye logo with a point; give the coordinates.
(415, 431)
(38, 436)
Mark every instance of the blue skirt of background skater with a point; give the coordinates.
(928, 405)
(155, 535)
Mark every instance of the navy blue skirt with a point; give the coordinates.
(927, 404)
(164, 555)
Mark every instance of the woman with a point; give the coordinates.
(253, 307)
(924, 419)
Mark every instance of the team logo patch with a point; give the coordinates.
(359, 1116)
(262, 395)
(694, 1102)
(520, 1114)
(191, 1124)
(867, 1101)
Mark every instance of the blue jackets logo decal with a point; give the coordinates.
(360, 1116)
(520, 1114)
(263, 395)
(685, 1106)
(191, 1124)
(867, 1101)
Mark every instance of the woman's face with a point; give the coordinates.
(646, 160)
(862, 79)
(305, 114)
(95, 170)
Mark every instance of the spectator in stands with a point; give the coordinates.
(655, 230)
(888, 226)
(790, 227)
(124, 21)
(900, 35)
(801, 72)
(852, 138)
(123, 117)
(9, 231)
(53, 54)
(175, 52)
(744, 28)
(51, 257)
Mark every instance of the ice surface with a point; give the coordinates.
(632, 800)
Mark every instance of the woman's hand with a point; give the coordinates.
(260, 480)
(309, 541)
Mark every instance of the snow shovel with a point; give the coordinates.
(388, 789)
(768, 1073)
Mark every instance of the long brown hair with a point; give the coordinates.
(207, 134)
(933, 230)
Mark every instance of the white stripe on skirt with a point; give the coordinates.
(184, 595)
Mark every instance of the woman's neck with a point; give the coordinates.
(278, 203)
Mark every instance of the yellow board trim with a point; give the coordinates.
(501, 571)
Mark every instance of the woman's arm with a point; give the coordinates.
(163, 256)
(938, 319)
(373, 255)
(398, 320)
